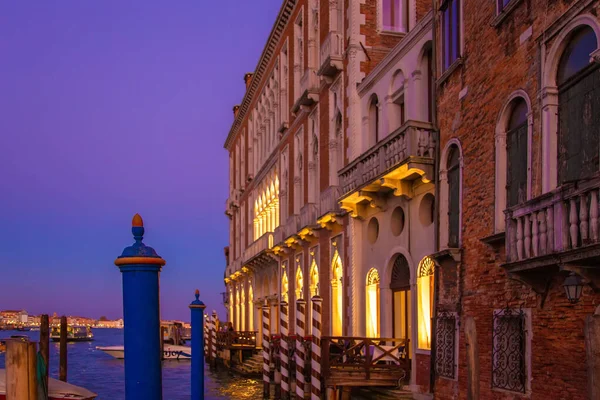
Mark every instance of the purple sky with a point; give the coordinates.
(108, 108)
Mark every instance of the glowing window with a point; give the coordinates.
(299, 282)
(314, 279)
(284, 287)
(336, 295)
(266, 210)
(425, 302)
(372, 304)
(250, 308)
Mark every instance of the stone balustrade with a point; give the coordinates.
(413, 139)
(329, 201)
(559, 221)
(263, 243)
(308, 215)
(331, 54)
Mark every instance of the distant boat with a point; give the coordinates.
(75, 333)
(57, 390)
(170, 352)
(23, 329)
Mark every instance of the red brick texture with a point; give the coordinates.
(495, 64)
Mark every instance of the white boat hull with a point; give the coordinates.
(170, 352)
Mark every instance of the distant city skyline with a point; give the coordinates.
(114, 109)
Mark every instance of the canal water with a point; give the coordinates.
(104, 375)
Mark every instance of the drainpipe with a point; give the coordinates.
(436, 222)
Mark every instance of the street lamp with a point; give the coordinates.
(573, 287)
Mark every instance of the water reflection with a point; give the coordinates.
(104, 375)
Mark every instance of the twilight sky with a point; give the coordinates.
(108, 108)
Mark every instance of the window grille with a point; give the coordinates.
(445, 353)
(509, 344)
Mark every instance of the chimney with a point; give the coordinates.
(248, 79)
(236, 108)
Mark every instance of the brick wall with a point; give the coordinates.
(496, 63)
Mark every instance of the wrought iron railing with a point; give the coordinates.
(561, 220)
(227, 340)
(412, 139)
(508, 355)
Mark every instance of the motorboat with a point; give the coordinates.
(57, 390)
(75, 333)
(170, 352)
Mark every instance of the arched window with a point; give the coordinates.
(314, 279)
(284, 287)
(372, 303)
(336, 295)
(453, 196)
(250, 307)
(516, 148)
(425, 302)
(299, 282)
(373, 121)
(401, 299)
(243, 309)
(339, 147)
(397, 114)
(579, 108)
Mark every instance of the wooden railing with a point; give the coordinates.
(414, 138)
(366, 355)
(562, 220)
(228, 340)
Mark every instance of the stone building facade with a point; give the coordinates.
(408, 161)
(517, 95)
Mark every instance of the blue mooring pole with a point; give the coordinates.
(197, 308)
(140, 267)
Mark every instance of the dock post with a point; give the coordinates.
(315, 379)
(197, 309)
(300, 357)
(284, 352)
(213, 340)
(20, 363)
(45, 349)
(266, 354)
(62, 371)
(140, 267)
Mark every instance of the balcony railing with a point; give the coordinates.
(263, 243)
(557, 222)
(413, 139)
(308, 215)
(329, 201)
(309, 89)
(331, 54)
(292, 226)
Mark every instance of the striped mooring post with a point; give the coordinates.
(206, 337)
(266, 354)
(315, 379)
(284, 352)
(213, 339)
(197, 371)
(300, 357)
(140, 267)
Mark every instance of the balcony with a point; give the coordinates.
(330, 208)
(309, 90)
(405, 155)
(259, 251)
(555, 231)
(291, 227)
(308, 219)
(332, 55)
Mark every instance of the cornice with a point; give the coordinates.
(285, 12)
(400, 50)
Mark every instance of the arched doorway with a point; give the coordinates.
(337, 292)
(401, 305)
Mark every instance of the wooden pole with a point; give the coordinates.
(16, 364)
(472, 359)
(45, 346)
(592, 350)
(32, 382)
(62, 371)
